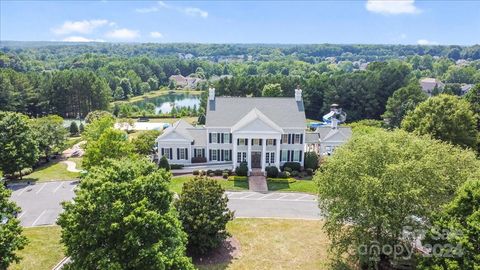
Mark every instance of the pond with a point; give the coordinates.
(165, 103)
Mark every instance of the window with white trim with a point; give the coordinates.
(284, 155)
(214, 154)
(198, 152)
(241, 141)
(255, 141)
(296, 156)
(226, 137)
(182, 153)
(214, 138)
(285, 138)
(272, 157)
(226, 155)
(166, 153)
(241, 156)
(297, 138)
(270, 141)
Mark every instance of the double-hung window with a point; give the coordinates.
(166, 153)
(226, 155)
(255, 141)
(214, 137)
(285, 138)
(284, 155)
(182, 153)
(296, 156)
(214, 155)
(270, 141)
(241, 141)
(226, 138)
(297, 138)
(272, 157)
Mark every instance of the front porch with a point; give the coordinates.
(258, 151)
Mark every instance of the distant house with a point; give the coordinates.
(428, 84)
(185, 82)
(331, 138)
(465, 88)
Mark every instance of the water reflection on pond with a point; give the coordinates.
(164, 104)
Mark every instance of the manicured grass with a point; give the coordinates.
(277, 244)
(43, 251)
(264, 244)
(52, 171)
(307, 186)
(176, 184)
(78, 161)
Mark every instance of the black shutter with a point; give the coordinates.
(246, 141)
(218, 138)
(230, 155)
(274, 141)
(221, 134)
(210, 137)
(209, 154)
(281, 139)
(203, 152)
(223, 155)
(301, 138)
(231, 137)
(289, 138)
(292, 154)
(178, 153)
(218, 154)
(300, 156)
(171, 153)
(280, 155)
(238, 141)
(163, 152)
(186, 153)
(260, 142)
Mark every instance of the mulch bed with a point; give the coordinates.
(229, 250)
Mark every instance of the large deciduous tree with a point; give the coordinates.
(401, 102)
(11, 238)
(380, 183)
(204, 213)
(272, 90)
(50, 134)
(111, 144)
(18, 148)
(95, 129)
(122, 218)
(145, 142)
(444, 117)
(456, 231)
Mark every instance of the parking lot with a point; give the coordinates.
(41, 203)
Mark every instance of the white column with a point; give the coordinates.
(234, 152)
(264, 150)
(249, 154)
(277, 154)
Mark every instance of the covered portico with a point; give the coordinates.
(256, 138)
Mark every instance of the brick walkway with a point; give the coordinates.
(257, 182)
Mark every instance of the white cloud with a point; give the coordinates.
(81, 39)
(83, 27)
(392, 6)
(426, 42)
(190, 11)
(156, 34)
(123, 33)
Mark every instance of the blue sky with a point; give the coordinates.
(356, 21)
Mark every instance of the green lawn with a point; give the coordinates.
(264, 244)
(43, 251)
(307, 186)
(52, 171)
(177, 182)
(78, 161)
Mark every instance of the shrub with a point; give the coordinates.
(283, 175)
(211, 174)
(287, 169)
(294, 173)
(196, 172)
(242, 170)
(199, 160)
(164, 163)
(295, 166)
(202, 172)
(218, 172)
(202, 208)
(229, 172)
(282, 180)
(225, 175)
(237, 178)
(73, 128)
(311, 160)
(309, 171)
(176, 166)
(272, 171)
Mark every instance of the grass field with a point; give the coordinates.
(264, 244)
(43, 251)
(52, 171)
(177, 182)
(307, 186)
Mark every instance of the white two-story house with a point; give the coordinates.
(262, 131)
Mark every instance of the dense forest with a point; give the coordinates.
(40, 78)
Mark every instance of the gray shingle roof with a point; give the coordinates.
(312, 137)
(326, 132)
(227, 111)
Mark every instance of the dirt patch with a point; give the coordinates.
(229, 250)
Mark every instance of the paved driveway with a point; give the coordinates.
(41, 203)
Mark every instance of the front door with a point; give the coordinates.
(256, 160)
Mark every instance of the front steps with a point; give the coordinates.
(257, 181)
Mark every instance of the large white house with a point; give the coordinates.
(263, 131)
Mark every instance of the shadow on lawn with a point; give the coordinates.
(240, 184)
(219, 258)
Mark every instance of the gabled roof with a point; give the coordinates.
(227, 111)
(179, 128)
(254, 115)
(338, 134)
(312, 137)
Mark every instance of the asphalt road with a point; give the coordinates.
(41, 203)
